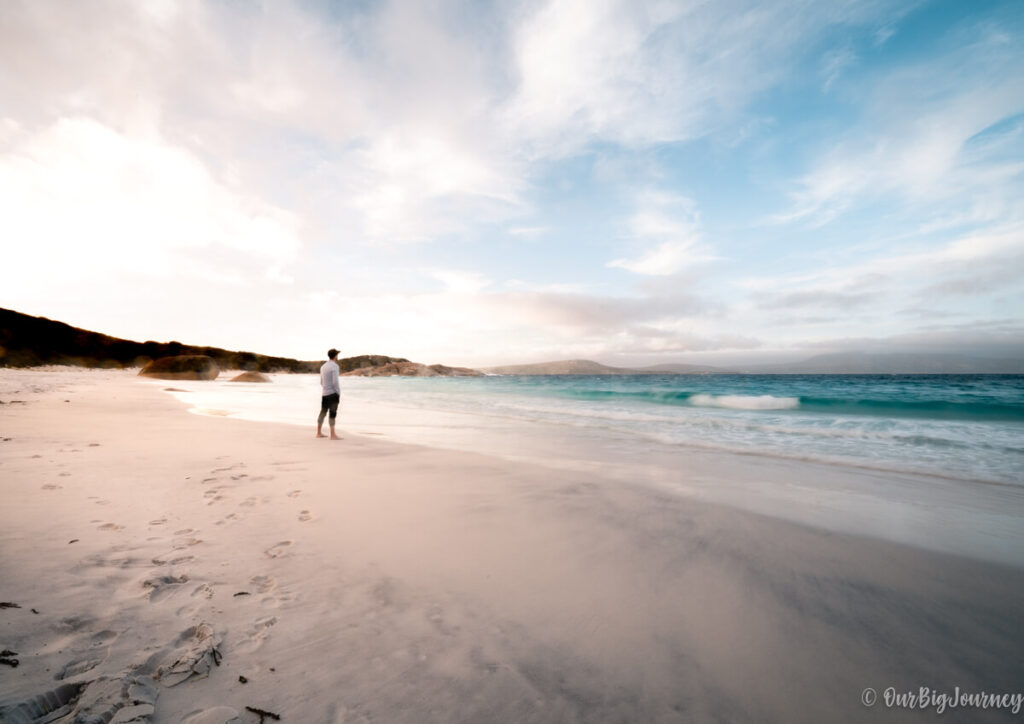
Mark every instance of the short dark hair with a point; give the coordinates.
(332, 353)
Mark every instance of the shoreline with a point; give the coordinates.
(683, 445)
(400, 583)
(900, 505)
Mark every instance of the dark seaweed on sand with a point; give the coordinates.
(262, 713)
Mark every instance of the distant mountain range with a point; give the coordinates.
(684, 369)
(865, 363)
(589, 367)
(828, 364)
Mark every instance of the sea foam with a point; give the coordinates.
(746, 402)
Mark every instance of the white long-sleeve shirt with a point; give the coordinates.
(329, 373)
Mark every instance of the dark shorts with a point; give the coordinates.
(329, 403)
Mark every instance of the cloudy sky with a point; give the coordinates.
(498, 182)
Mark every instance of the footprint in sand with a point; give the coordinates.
(213, 495)
(191, 655)
(111, 527)
(182, 543)
(294, 493)
(63, 475)
(216, 715)
(158, 521)
(435, 615)
(163, 587)
(258, 633)
(278, 550)
(74, 624)
(263, 584)
(267, 587)
(203, 590)
(126, 699)
(276, 600)
(194, 611)
(100, 560)
(91, 652)
(172, 558)
(51, 486)
(229, 518)
(305, 516)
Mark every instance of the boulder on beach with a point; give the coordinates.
(251, 377)
(182, 367)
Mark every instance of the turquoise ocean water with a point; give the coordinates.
(968, 427)
(962, 426)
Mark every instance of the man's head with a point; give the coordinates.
(332, 353)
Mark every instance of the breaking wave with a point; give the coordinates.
(746, 402)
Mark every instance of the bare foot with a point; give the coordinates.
(334, 437)
(320, 434)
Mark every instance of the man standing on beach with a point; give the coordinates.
(329, 382)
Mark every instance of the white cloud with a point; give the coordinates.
(520, 285)
(883, 296)
(407, 181)
(395, 122)
(834, 64)
(668, 226)
(84, 203)
(907, 265)
(667, 258)
(345, 118)
(641, 73)
(582, 69)
(461, 282)
(527, 232)
(918, 142)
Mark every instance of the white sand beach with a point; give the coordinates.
(169, 567)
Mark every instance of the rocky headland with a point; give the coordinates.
(27, 341)
(404, 368)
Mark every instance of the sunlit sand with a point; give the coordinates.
(185, 565)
